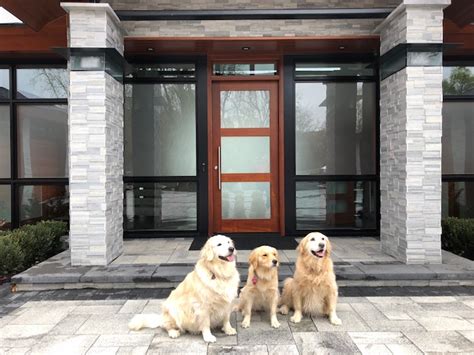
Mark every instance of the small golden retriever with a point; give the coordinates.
(313, 288)
(204, 299)
(261, 290)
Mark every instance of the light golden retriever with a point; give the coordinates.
(313, 288)
(261, 290)
(203, 300)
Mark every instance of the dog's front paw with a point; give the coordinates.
(334, 320)
(283, 309)
(229, 331)
(136, 323)
(173, 333)
(209, 338)
(296, 318)
(275, 323)
(246, 323)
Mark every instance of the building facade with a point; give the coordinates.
(161, 118)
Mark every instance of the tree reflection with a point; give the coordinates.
(460, 82)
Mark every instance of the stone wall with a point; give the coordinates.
(246, 4)
(251, 28)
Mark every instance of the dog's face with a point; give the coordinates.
(219, 247)
(264, 257)
(315, 244)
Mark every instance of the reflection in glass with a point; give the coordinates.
(160, 130)
(458, 199)
(4, 83)
(165, 206)
(4, 141)
(335, 204)
(163, 70)
(245, 109)
(43, 202)
(5, 207)
(458, 80)
(335, 128)
(457, 142)
(46, 83)
(246, 200)
(314, 70)
(244, 69)
(245, 154)
(42, 141)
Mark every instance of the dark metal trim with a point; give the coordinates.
(458, 98)
(457, 177)
(252, 14)
(372, 177)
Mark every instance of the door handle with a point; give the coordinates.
(219, 166)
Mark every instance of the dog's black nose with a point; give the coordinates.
(274, 262)
(231, 249)
(321, 245)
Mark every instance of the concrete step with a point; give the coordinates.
(54, 274)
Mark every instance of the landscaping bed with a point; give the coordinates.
(458, 236)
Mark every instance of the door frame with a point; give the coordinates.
(245, 59)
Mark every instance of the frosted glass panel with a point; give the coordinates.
(246, 200)
(160, 130)
(245, 154)
(4, 141)
(245, 109)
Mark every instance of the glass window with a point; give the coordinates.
(4, 83)
(168, 71)
(5, 207)
(315, 70)
(45, 83)
(335, 204)
(458, 199)
(335, 128)
(43, 202)
(246, 200)
(245, 155)
(458, 80)
(4, 141)
(42, 141)
(245, 109)
(167, 206)
(458, 145)
(244, 69)
(160, 130)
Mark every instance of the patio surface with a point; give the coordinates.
(164, 263)
(408, 321)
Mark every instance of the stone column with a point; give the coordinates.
(95, 135)
(410, 131)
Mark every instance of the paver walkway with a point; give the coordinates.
(389, 320)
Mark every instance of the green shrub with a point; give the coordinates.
(11, 256)
(29, 245)
(458, 236)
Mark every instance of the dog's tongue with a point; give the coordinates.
(230, 257)
(320, 253)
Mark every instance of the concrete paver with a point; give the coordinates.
(371, 325)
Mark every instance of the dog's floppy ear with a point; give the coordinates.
(207, 253)
(253, 259)
(328, 247)
(302, 245)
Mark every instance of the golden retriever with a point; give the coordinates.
(261, 290)
(313, 288)
(203, 300)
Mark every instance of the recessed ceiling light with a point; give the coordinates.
(245, 48)
(342, 48)
(150, 49)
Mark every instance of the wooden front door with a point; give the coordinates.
(244, 151)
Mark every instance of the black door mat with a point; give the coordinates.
(252, 242)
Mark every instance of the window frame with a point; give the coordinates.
(14, 181)
(200, 179)
(291, 178)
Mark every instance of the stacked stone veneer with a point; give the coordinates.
(410, 139)
(96, 142)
